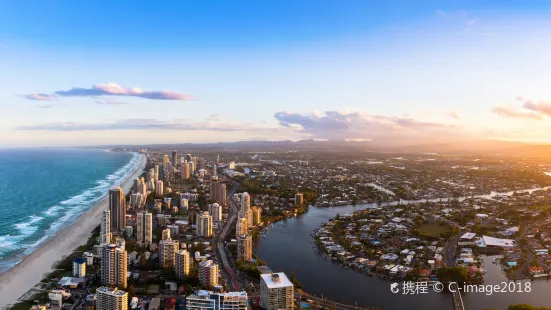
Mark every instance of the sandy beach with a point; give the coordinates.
(18, 280)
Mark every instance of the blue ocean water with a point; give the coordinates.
(44, 190)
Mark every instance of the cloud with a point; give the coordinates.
(40, 97)
(453, 13)
(110, 102)
(454, 115)
(110, 89)
(357, 125)
(45, 106)
(472, 22)
(144, 124)
(529, 109)
(213, 118)
(541, 107)
(509, 112)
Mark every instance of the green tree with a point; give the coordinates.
(525, 307)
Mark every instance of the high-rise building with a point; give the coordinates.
(105, 227)
(276, 292)
(79, 267)
(157, 172)
(204, 224)
(167, 252)
(185, 172)
(245, 209)
(245, 201)
(244, 248)
(257, 215)
(299, 199)
(214, 167)
(207, 300)
(107, 299)
(174, 157)
(241, 227)
(182, 265)
(159, 191)
(215, 210)
(162, 172)
(208, 273)
(192, 167)
(223, 194)
(140, 186)
(136, 187)
(144, 221)
(137, 200)
(215, 189)
(166, 234)
(117, 208)
(114, 264)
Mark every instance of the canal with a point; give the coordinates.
(289, 245)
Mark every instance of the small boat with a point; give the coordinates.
(263, 236)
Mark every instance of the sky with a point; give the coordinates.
(77, 73)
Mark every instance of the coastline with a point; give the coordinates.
(15, 282)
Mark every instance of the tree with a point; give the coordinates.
(525, 307)
(453, 274)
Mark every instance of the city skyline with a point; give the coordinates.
(428, 72)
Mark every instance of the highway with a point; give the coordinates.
(220, 246)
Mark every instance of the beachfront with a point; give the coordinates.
(18, 280)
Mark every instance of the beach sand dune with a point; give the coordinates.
(18, 280)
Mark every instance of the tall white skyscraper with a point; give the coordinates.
(117, 207)
(159, 190)
(144, 221)
(245, 209)
(204, 224)
(114, 265)
(105, 227)
(215, 210)
(276, 292)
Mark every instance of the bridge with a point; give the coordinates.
(449, 261)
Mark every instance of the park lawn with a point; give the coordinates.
(433, 230)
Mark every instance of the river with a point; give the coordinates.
(289, 245)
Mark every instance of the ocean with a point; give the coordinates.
(45, 190)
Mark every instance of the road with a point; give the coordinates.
(449, 260)
(220, 246)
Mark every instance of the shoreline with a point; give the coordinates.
(18, 280)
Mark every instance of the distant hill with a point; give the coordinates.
(464, 147)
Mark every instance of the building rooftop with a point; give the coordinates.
(80, 260)
(115, 291)
(276, 280)
(468, 236)
(491, 241)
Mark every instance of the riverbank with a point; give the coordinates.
(17, 281)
